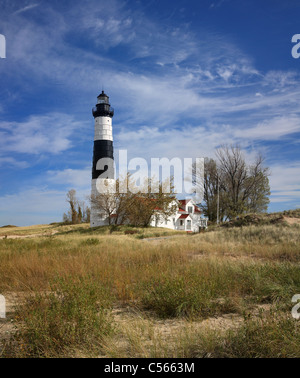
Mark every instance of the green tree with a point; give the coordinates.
(246, 186)
(233, 186)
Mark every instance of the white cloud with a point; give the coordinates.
(25, 9)
(12, 162)
(271, 129)
(285, 177)
(280, 79)
(75, 178)
(283, 199)
(51, 134)
(226, 72)
(285, 182)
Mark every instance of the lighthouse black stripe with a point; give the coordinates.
(102, 149)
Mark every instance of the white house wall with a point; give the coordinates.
(195, 218)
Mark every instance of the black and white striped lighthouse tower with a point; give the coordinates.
(103, 149)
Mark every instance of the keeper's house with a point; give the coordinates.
(187, 217)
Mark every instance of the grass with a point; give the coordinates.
(274, 335)
(214, 287)
(74, 280)
(75, 313)
(146, 232)
(263, 219)
(271, 334)
(40, 229)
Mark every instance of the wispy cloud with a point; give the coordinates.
(74, 178)
(271, 129)
(49, 134)
(27, 8)
(12, 162)
(217, 4)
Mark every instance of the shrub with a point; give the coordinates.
(273, 336)
(170, 297)
(177, 295)
(131, 232)
(90, 241)
(73, 315)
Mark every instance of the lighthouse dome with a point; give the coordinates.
(103, 98)
(103, 108)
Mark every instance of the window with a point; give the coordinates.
(190, 209)
(181, 222)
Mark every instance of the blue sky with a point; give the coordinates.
(183, 77)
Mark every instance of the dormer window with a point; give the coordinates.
(190, 209)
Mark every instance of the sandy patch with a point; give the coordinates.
(289, 220)
(51, 233)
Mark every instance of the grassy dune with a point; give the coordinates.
(128, 292)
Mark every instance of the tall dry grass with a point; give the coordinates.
(184, 277)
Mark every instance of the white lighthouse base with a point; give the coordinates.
(104, 188)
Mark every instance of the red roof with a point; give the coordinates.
(184, 202)
(183, 216)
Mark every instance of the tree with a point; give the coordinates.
(111, 203)
(78, 211)
(72, 200)
(214, 193)
(236, 186)
(138, 205)
(66, 218)
(246, 187)
(258, 198)
(86, 212)
(79, 214)
(87, 215)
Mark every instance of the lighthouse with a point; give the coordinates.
(103, 155)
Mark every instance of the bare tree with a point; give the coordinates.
(135, 207)
(246, 186)
(85, 212)
(78, 211)
(231, 186)
(105, 204)
(214, 193)
(72, 200)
